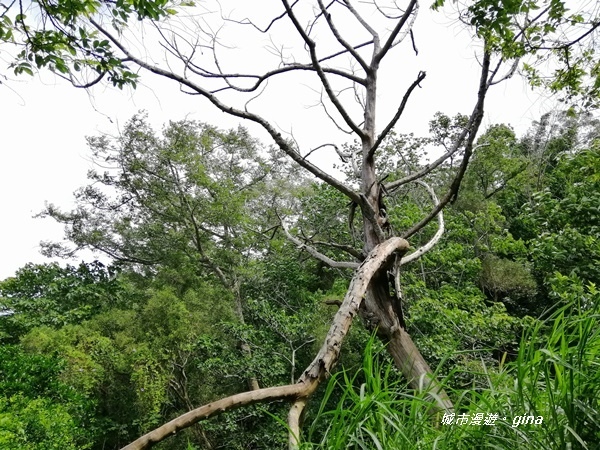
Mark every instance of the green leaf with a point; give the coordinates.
(437, 4)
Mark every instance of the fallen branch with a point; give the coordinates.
(317, 371)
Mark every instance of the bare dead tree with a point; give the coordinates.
(379, 306)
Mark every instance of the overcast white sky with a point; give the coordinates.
(43, 124)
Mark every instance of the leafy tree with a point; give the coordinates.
(498, 162)
(565, 222)
(142, 365)
(548, 209)
(37, 408)
(50, 295)
(181, 203)
(179, 199)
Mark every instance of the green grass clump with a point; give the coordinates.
(555, 376)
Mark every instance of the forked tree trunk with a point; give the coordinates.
(380, 308)
(381, 311)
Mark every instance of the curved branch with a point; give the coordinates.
(289, 67)
(436, 237)
(311, 151)
(471, 130)
(316, 254)
(212, 409)
(569, 44)
(87, 85)
(316, 372)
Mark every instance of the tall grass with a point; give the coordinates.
(555, 380)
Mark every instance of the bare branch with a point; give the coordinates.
(412, 7)
(381, 256)
(316, 254)
(317, 148)
(571, 43)
(342, 52)
(219, 406)
(507, 75)
(471, 131)
(87, 85)
(362, 21)
(324, 81)
(429, 167)
(396, 117)
(414, 44)
(340, 39)
(436, 237)
(247, 21)
(294, 422)
(346, 248)
(289, 67)
(381, 11)
(330, 117)
(275, 135)
(342, 156)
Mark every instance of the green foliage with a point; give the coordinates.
(565, 220)
(30, 375)
(565, 367)
(37, 408)
(536, 31)
(325, 216)
(554, 376)
(458, 322)
(60, 36)
(140, 365)
(181, 201)
(507, 279)
(497, 161)
(204, 274)
(37, 423)
(368, 414)
(49, 295)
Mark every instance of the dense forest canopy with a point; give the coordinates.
(93, 355)
(238, 268)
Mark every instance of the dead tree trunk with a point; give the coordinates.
(381, 309)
